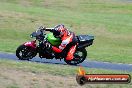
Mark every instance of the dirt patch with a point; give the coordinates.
(21, 79)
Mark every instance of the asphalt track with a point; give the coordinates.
(86, 63)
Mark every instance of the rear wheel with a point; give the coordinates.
(25, 53)
(79, 57)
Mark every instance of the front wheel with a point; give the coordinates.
(79, 56)
(25, 53)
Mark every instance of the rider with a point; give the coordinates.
(68, 39)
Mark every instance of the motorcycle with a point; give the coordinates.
(28, 50)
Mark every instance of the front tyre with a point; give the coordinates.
(25, 53)
(79, 56)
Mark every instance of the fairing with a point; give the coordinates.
(31, 44)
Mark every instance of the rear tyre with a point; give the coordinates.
(25, 53)
(79, 56)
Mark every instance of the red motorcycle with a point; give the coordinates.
(28, 50)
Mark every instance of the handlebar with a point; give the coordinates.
(44, 28)
(40, 31)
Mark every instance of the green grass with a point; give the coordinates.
(110, 21)
(57, 70)
(63, 70)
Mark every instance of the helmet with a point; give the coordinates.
(59, 30)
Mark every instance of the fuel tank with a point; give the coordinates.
(54, 41)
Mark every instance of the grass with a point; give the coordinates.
(63, 70)
(108, 20)
(22, 69)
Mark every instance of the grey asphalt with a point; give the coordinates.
(86, 63)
